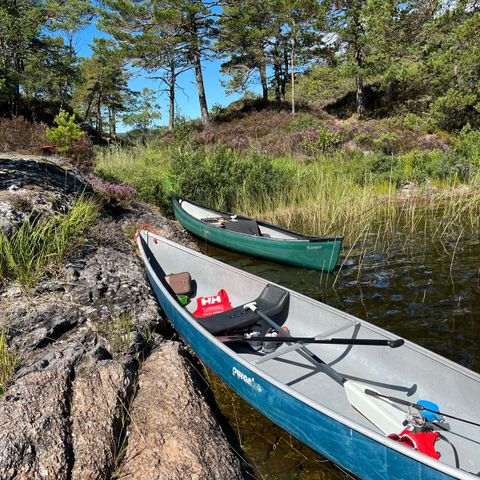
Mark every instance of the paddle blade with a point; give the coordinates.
(383, 414)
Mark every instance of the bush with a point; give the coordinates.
(388, 143)
(221, 179)
(417, 123)
(467, 145)
(82, 155)
(110, 191)
(19, 134)
(454, 109)
(305, 121)
(321, 141)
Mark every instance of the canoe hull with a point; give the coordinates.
(318, 255)
(352, 450)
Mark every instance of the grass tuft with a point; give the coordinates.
(8, 362)
(39, 241)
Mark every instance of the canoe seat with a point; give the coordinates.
(273, 302)
(249, 227)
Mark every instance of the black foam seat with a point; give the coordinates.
(273, 302)
(243, 226)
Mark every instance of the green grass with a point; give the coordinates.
(145, 168)
(339, 193)
(8, 362)
(41, 241)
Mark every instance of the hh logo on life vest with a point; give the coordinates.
(211, 300)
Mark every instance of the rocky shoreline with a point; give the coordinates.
(102, 388)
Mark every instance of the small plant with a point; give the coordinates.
(8, 362)
(22, 203)
(110, 191)
(66, 133)
(467, 145)
(117, 330)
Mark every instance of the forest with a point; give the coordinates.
(420, 56)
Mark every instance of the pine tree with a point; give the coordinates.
(165, 38)
(102, 90)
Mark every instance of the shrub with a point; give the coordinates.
(222, 179)
(110, 191)
(417, 123)
(454, 109)
(452, 165)
(321, 141)
(467, 145)
(18, 134)
(387, 143)
(82, 155)
(305, 121)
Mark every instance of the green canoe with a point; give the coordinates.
(261, 239)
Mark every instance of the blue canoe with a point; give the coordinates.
(318, 394)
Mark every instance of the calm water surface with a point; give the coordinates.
(423, 289)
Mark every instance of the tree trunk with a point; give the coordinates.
(293, 79)
(263, 77)
(99, 116)
(201, 88)
(277, 72)
(114, 124)
(171, 98)
(284, 77)
(361, 108)
(360, 97)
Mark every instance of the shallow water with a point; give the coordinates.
(423, 289)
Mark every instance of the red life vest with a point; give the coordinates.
(207, 306)
(424, 442)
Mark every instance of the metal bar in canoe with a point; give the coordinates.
(291, 348)
(304, 351)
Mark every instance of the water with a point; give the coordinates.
(424, 289)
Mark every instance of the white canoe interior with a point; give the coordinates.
(201, 213)
(408, 372)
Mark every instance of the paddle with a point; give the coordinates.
(385, 416)
(332, 341)
(417, 406)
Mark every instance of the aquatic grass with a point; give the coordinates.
(40, 241)
(8, 362)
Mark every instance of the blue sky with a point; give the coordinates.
(187, 98)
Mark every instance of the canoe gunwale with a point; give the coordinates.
(351, 424)
(301, 237)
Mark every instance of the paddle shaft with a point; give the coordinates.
(332, 341)
(317, 360)
(417, 406)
